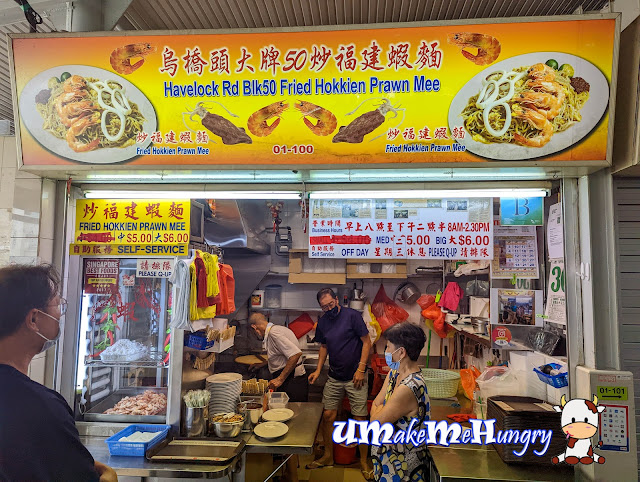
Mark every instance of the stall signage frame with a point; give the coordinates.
(140, 227)
(460, 228)
(260, 76)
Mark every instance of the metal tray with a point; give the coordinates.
(96, 413)
(197, 450)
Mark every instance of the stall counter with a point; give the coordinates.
(465, 462)
(303, 428)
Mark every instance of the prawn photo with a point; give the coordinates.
(527, 105)
(488, 46)
(121, 57)
(366, 123)
(257, 122)
(218, 125)
(326, 122)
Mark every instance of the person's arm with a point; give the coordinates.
(322, 357)
(361, 371)
(106, 473)
(378, 402)
(286, 371)
(401, 403)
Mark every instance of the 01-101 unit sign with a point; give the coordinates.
(402, 228)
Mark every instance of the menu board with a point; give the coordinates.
(460, 228)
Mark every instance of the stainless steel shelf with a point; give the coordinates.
(155, 362)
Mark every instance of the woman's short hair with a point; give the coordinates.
(23, 288)
(408, 336)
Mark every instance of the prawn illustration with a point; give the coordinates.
(69, 113)
(327, 122)
(537, 120)
(543, 102)
(488, 46)
(121, 57)
(542, 72)
(550, 88)
(218, 125)
(77, 129)
(368, 122)
(257, 122)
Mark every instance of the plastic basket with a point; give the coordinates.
(136, 449)
(197, 341)
(441, 383)
(558, 381)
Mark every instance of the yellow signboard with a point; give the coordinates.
(131, 227)
(404, 94)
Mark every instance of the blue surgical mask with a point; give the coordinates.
(333, 312)
(49, 343)
(388, 357)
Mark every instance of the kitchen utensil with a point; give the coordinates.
(480, 325)
(277, 415)
(270, 430)
(409, 293)
(358, 294)
(180, 450)
(249, 359)
(440, 383)
(277, 400)
(356, 305)
(195, 421)
(227, 429)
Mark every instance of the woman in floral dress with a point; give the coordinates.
(403, 397)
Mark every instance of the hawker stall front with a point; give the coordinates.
(232, 189)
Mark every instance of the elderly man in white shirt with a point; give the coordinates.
(285, 364)
(283, 357)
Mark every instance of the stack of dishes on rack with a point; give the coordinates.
(225, 391)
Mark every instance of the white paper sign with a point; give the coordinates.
(556, 310)
(401, 228)
(154, 268)
(555, 234)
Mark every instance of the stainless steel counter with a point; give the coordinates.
(465, 462)
(141, 467)
(303, 428)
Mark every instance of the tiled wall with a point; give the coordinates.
(26, 222)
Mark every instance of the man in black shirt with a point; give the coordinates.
(38, 436)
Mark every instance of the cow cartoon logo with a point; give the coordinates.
(579, 423)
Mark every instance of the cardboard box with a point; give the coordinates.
(297, 275)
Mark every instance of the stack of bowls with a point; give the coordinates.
(225, 389)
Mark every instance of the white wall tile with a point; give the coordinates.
(45, 250)
(47, 209)
(24, 247)
(7, 186)
(27, 196)
(9, 152)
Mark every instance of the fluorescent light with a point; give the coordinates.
(109, 194)
(426, 194)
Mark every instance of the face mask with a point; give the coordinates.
(333, 312)
(49, 343)
(388, 357)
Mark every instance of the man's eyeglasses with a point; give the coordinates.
(63, 306)
(329, 306)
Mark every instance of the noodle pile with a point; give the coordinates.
(569, 113)
(133, 125)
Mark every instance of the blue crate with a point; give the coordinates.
(558, 381)
(136, 449)
(197, 341)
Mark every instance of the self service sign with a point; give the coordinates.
(141, 228)
(460, 228)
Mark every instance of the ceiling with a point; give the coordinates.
(232, 14)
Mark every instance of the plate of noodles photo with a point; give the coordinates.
(530, 106)
(86, 114)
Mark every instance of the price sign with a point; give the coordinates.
(612, 393)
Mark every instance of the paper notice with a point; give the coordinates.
(555, 234)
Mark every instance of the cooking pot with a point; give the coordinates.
(409, 293)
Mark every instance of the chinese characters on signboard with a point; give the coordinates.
(132, 227)
(401, 228)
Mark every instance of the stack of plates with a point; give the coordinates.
(225, 389)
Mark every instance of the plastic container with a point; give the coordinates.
(558, 381)
(440, 383)
(344, 454)
(136, 449)
(278, 400)
(197, 341)
(273, 296)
